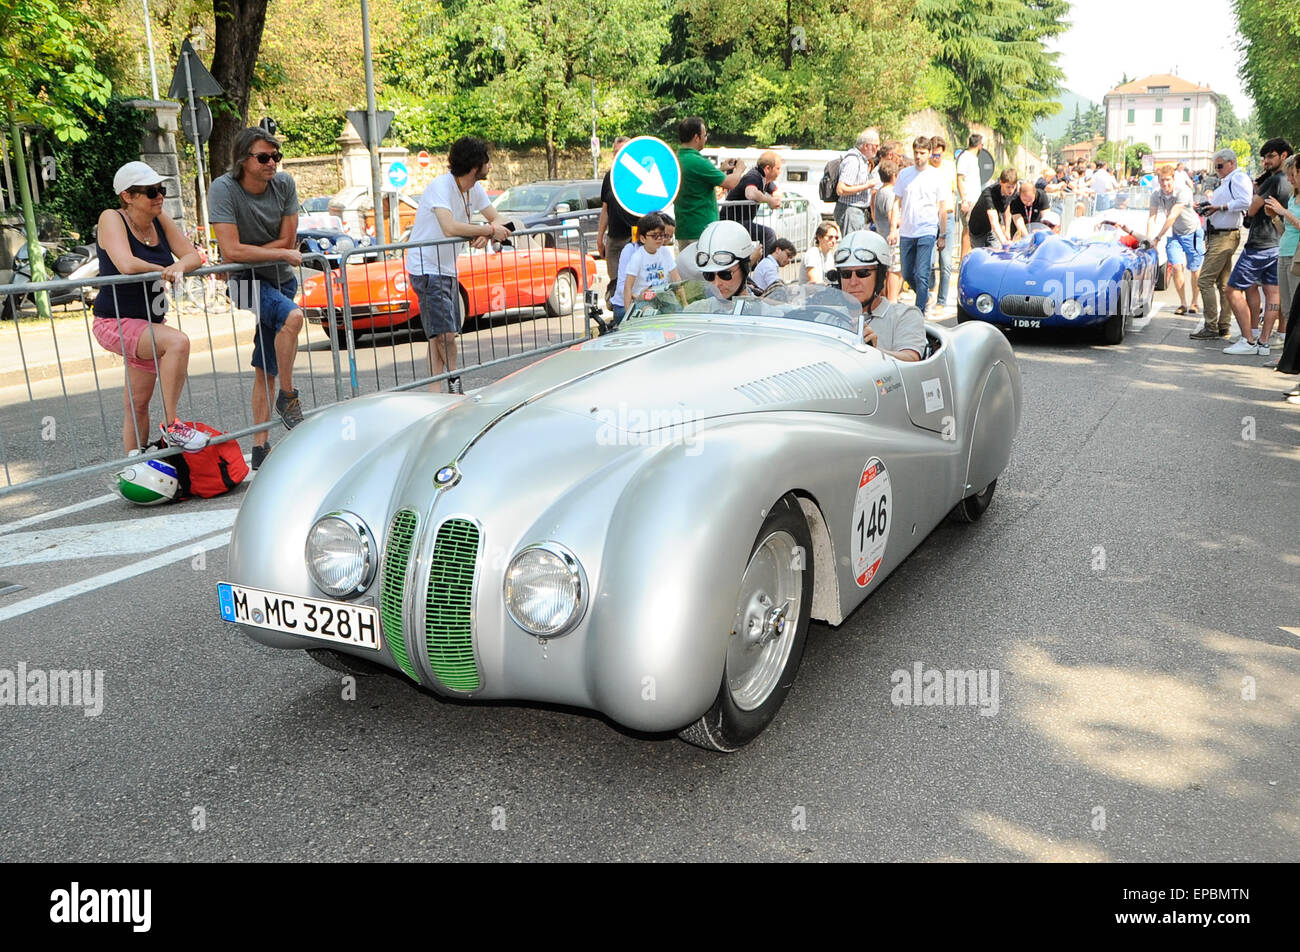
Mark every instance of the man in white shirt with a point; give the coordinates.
(969, 184)
(921, 191)
(768, 271)
(1104, 185)
(1222, 235)
(444, 212)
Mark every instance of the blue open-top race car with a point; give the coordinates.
(1048, 280)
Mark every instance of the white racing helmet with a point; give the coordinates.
(148, 483)
(859, 248)
(723, 245)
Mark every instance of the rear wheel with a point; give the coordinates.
(564, 295)
(972, 507)
(768, 633)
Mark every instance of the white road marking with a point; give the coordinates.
(55, 513)
(121, 537)
(113, 577)
(1290, 631)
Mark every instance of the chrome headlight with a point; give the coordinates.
(545, 589)
(323, 243)
(1070, 309)
(340, 554)
(984, 304)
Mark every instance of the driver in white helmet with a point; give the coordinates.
(860, 264)
(724, 255)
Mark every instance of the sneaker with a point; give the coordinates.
(260, 454)
(1205, 333)
(289, 408)
(1294, 401)
(1243, 346)
(1291, 393)
(183, 435)
(454, 385)
(1263, 348)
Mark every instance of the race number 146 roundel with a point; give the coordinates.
(872, 514)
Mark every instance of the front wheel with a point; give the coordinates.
(769, 629)
(964, 315)
(564, 295)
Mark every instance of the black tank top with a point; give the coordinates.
(131, 300)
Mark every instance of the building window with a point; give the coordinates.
(1187, 114)
(1160, 115)
(1184, 143)
(1130, 140)
(1130, 116)
(1157, 143)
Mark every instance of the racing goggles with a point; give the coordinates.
(711, 276)
(724, 258)
(865, 255)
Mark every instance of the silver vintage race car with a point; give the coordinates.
(642, 524)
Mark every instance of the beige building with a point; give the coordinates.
(1175, 117)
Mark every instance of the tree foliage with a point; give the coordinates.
(84, 186)
(1270, 66)
(992, 66)
(816, 79)
(1228, 127)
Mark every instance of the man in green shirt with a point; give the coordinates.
(696, 205)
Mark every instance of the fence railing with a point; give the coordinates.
(69, 406)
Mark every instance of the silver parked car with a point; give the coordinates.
(642, 524)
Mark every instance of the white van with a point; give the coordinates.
(801, 169)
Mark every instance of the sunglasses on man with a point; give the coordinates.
(264, 157)
(856, 273)
(151, 192)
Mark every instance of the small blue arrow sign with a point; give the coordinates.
(397, 175)
(646, 176)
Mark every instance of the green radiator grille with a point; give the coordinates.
(401, 535)
(449, 631)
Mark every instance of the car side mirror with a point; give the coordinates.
(563, 208)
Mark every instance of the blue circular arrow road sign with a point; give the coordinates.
(397, 175)
(646, 176)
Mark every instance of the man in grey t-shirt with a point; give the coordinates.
(856, 183)
(254, 213)
(861, 263)
(1185, 247)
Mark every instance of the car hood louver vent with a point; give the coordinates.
(819, 381)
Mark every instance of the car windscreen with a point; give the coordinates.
(525, 198)
(815, 303)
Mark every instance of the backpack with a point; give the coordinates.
(213, 470)
(830, 179)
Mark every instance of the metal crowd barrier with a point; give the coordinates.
(63, 396)
(797, 219)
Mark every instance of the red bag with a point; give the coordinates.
(213, 470)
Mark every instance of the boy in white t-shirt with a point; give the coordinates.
(617, 302)
(652, 265)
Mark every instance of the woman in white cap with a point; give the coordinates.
(130, 319)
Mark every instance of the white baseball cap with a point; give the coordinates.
(1050, 218)
(134, 175)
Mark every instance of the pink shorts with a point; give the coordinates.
(126, 342)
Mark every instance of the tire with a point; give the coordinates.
(9, 305)
(1112, 332)
(972, 507)
(563, 298)
(964, 315)
(1162, 276)
(763, 651)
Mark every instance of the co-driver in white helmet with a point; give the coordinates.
(723, 256)
(860, 264)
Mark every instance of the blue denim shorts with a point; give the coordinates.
(1255, 266)
(273, 302)
(1187, 250)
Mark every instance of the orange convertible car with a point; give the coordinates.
(381, 295)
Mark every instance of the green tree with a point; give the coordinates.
(992, 66)
(811, 75)
(47, 77)
(1228, 127)
(1270, 65)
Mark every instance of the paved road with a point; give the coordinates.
(1135, 585)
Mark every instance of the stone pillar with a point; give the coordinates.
(356, 159)
(158, 150)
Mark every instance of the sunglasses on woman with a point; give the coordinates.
(712, 276)
(151, 192)
(264, 157)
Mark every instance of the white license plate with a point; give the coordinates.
(340, 622)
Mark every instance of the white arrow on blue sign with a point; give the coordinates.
(646, 176)
(397, 175)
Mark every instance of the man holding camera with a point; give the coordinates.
(1222, 234)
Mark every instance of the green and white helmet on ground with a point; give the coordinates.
(148, 483)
